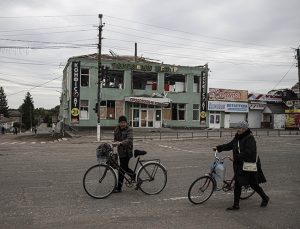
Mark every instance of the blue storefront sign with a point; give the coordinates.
(236, 107)
(228, 106)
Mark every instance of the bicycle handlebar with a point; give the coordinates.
(223, 158)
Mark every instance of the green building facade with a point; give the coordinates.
(149, 94)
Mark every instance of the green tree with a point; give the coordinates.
(3, 103)
(27, 111)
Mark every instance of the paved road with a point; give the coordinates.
(41, 187)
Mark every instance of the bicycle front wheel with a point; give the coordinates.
(247, 192)
(99, 181)
(201, 190)
(152, 178)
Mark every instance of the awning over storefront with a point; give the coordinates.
(149, 100)
(275, 108)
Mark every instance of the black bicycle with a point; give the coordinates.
(100, 180)
(203, 187)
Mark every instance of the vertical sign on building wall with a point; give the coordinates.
(203, 98)
(75, 92)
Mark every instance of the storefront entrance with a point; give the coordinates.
(146, 117)
(215, 120)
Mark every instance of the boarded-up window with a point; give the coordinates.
(167, 114)
(119, 108)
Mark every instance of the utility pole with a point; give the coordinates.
(99, 77)
(298, 62)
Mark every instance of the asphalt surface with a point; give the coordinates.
(41, 187)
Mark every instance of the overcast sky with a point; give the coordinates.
(248, 45)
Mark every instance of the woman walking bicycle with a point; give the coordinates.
(243, 146)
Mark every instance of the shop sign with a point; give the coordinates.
(143, 67)
(292, 119)
(75, 98)
(216, 106)
(203, 98)
(217, 94)
(257, 106)
(273, 98)
(236, 107)
(149, 101)
(292, 103)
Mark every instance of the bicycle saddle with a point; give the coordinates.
(139, 152)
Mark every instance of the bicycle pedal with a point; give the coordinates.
(138, 184)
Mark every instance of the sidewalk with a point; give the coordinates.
(181, 134)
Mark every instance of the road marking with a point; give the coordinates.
(42, 142)
(176, 198)
(185, 167)
(185, 197)
(12, 143)
(178, 149)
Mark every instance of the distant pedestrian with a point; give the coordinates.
(15, 130)
(34, 130)
(53, 128)
(2, 130)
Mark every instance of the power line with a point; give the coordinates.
(204, 59)
(49, 16)
(39, 85)
(24, 84)
(283, 76)
(26, 63)
(151, 38)
(54, 27)
(186, 32)
(70, 31)
(181, 46)
(46, 42)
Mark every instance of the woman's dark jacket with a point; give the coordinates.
(124, 136)
(247, 152)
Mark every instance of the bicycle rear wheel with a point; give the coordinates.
(201, 190)
(247, 192)
(152, 178)
(99, 181)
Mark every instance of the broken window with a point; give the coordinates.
(144, 80)
(178, 111)
(113, 79)
(196, 84)
(84, 77)
(84, 109)
(174, 82)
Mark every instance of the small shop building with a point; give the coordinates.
(227, 107)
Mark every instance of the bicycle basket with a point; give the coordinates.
(102, 152)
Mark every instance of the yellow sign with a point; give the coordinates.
(75, 112)
(202, 114)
